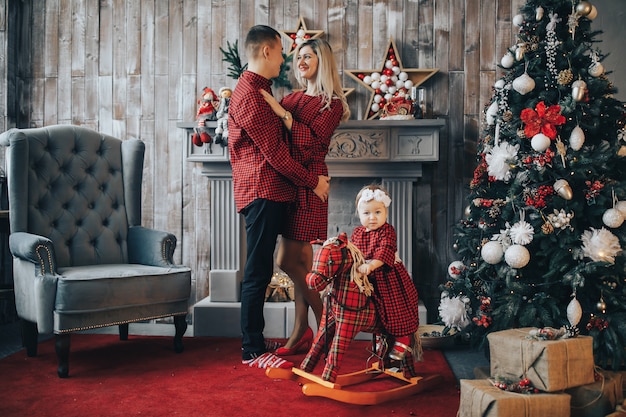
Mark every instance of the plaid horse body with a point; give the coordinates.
(347, 310)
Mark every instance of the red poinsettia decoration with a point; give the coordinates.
(542, 120)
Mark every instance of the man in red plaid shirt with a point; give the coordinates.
(265, 177)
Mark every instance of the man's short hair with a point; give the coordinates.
(257, 37)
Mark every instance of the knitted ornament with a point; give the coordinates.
(492, 252)
(576, 138)
(612, 218)
(574, 311)
(524, 84)
(517, 256)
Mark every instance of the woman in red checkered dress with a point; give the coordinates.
(310, 117)
(395, 295)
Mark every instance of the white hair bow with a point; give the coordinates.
(378, 195)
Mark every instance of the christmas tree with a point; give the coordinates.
(540, 244)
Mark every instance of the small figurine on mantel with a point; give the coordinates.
(399, 107)
(206, 112)
(221, 132)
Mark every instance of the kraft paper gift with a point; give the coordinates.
(550, 365)
(479, 398)
(598, 399)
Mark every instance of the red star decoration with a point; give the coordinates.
(300, 34)
(391, 62)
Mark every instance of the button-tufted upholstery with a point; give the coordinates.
(81, 257)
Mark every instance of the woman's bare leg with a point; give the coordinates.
(295, 258)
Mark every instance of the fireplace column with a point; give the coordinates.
(400, 216)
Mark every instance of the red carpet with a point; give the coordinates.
(143, 376)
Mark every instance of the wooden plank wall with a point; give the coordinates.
(134, 68)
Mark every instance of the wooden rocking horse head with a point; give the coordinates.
(337, 258)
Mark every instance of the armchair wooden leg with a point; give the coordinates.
(29, 337)
(62, 347)
(180, 323)
(124, 331)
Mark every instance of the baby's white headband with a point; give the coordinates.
(378, 195)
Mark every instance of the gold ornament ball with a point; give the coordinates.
(583, 8)
(601, 306)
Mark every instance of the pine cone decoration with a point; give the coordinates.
(565, 77)
(547, 228)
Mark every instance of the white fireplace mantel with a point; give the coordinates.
(392, 150)
(359, 148)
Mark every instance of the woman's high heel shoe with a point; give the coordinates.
(303, 345)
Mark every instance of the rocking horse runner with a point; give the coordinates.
(348, 310)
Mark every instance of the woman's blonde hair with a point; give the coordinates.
(327, 82)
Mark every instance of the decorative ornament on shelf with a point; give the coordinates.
(391, 83)
(300, 34)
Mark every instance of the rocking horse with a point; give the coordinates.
(349, 310)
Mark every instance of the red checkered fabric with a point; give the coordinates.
(395, 294)
(311, 131)
(259, 154)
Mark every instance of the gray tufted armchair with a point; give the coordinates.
(81, 258)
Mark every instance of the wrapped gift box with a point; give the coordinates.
(550, 365)
(597, 399)
(479, 398)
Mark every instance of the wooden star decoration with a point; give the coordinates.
(299, 35)
(397, 80)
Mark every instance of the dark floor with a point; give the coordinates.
(461, 358)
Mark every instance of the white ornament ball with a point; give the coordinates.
(383, 87)
(367, 80)
(491, 113)
(388, 96)
(399, 84)
(540, 142)
(403, 76)
(492, 252)
(378, 98)
(396, 70)
(375, 107)
(499, 84)
(574, 312)
(389, 64)
(300, 33)
(454, 268)
(517, 256)
(596, 69)
(375, 84)
(392, 89)
(507, 60)
(612, 218)
(375, 76)
(383, 78)
(621, 207)
(576, 138)
(524, 84)
(518, 20)
(408, 84)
